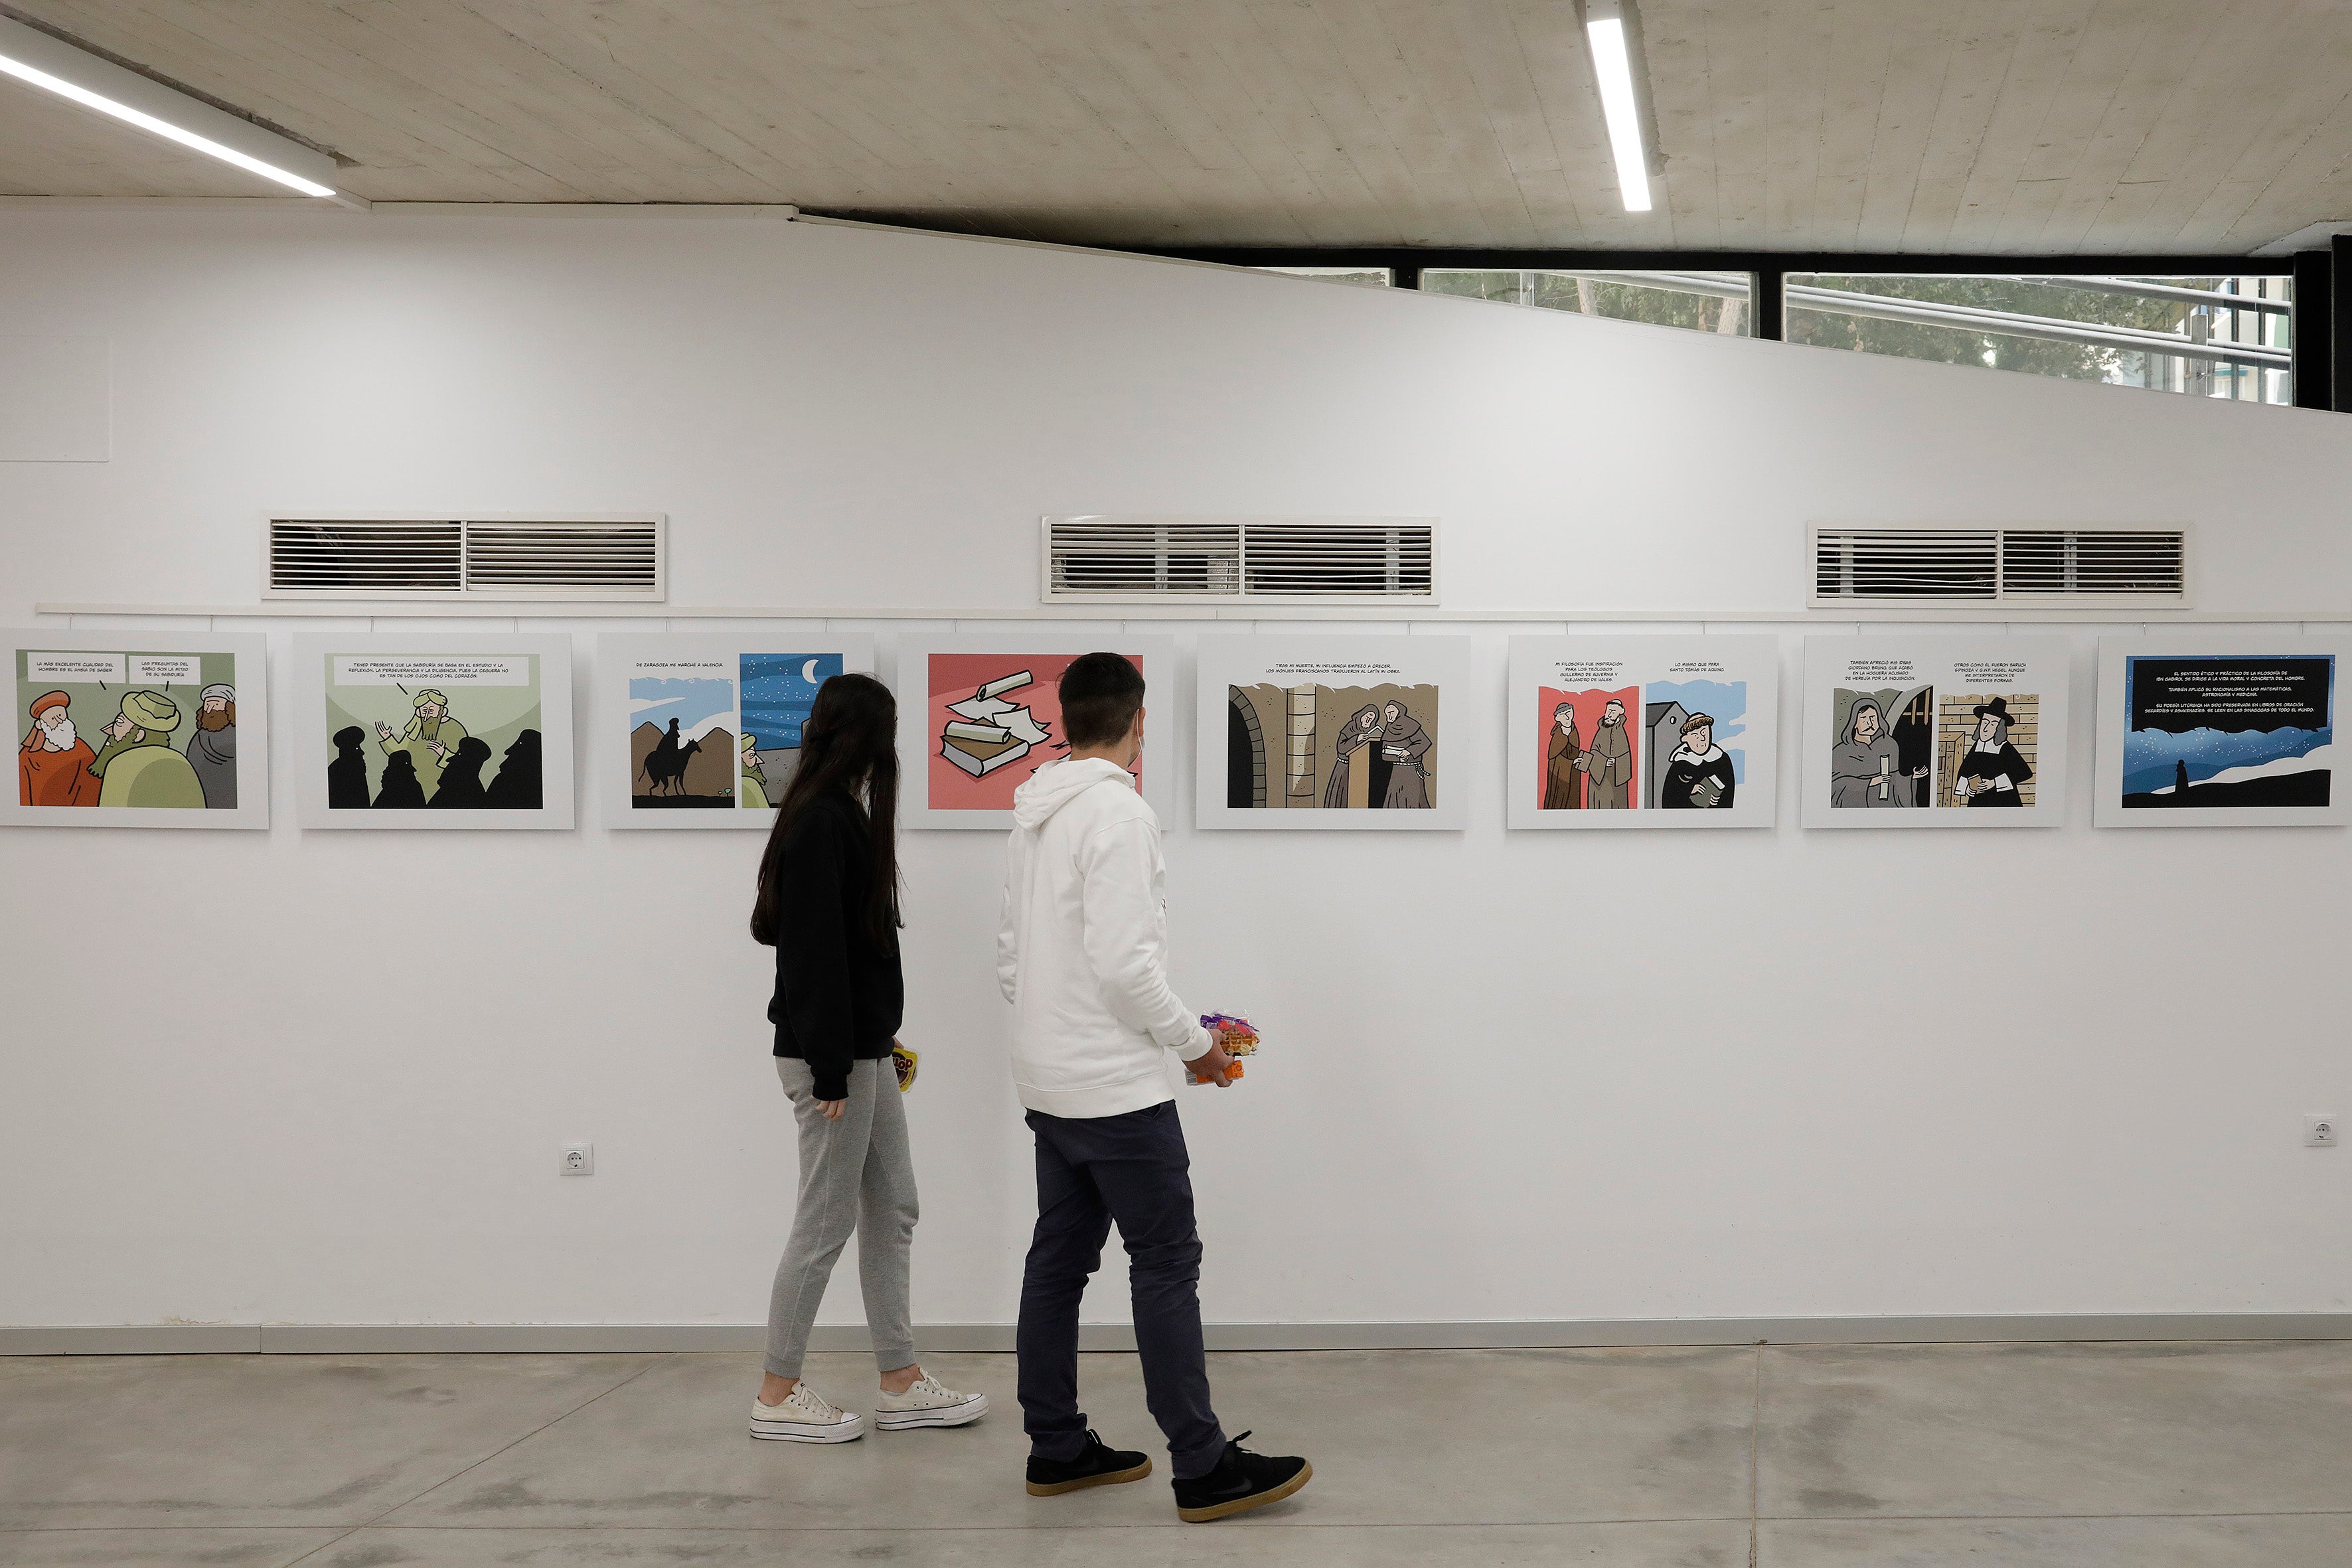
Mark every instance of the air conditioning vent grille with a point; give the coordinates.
(430, 558)
(366, 557)
(1994, 565)
(1174, 558)
(1139, 559)
(2088, 562)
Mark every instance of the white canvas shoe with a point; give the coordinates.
(805, 1416)
(927, 1402)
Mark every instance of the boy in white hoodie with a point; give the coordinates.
(1082, 955)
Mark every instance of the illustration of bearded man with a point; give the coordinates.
(1866, 765)
(53, 765)
(139, 765)
(755, 778)
(1609, 762)
(431, 738)
(211, 750)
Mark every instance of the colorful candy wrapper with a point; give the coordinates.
(1240, 1038)
(903, 1062)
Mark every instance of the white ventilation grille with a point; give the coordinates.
(465, 558)
(1928, 566)
(1137, 560)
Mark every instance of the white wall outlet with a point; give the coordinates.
(579, 1159)
(2319, 1131)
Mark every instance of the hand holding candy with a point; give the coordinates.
(1234, 1037)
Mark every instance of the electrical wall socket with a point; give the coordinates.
(579, 1159)
(2319, 1131)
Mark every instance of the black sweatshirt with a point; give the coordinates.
(839, 994)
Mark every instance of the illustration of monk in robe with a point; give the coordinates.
(1991, 769)
(1867, 765)
(1563, 754)
(1607, 764)
(1354, 736)
(431, 738)
(53, 765)
(1404, 746)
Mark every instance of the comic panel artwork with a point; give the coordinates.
(1934, 734)
(993, 720)
(779, 691)
(108, 728)
(1643, 732)
(2224, 734)
(1333, 732)
(1884, 737)
(1311, 747)
(434, 732)
(682, 749)
(1594, 745)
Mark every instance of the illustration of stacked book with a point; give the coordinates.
(988, 731)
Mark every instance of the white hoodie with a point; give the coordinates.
(1082, 950)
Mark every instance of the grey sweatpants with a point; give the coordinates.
(856, 1175)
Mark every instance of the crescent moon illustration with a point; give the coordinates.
(808, 672)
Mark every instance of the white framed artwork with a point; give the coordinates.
(1334, 734)
(979, 714)
(2218, 732)
(1936, 731)
(1643, 731)
(432, 731)
(703, 729)
(140, 730)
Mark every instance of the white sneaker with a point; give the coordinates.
(927, 1402)
(805, 1416)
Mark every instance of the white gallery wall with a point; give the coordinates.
(324, 1077)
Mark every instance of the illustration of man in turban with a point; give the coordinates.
(431, 738)
(212, 749)
(1609, 762)
(138, 765)
(755, 779)
(53, 765)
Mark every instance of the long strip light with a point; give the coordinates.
(18, 40)
(1612, 65)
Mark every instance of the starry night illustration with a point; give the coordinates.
(2228, 731)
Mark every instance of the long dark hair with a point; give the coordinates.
(850, 739)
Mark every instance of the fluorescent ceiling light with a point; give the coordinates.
(55, 66)
(1614, 65)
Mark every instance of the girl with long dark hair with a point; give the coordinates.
(828, 904)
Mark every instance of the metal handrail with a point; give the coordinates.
(2136, 340)
(2213, 298)
(1934, 313)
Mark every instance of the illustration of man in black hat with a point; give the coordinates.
(1991, 768)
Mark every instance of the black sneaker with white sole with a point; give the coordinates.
(1242, 1481)
(1099, 1465)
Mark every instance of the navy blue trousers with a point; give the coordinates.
(1092, 1170)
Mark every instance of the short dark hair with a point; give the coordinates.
(1100, 693)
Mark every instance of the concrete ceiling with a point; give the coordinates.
(2048, 126)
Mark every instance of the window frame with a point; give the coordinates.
(2319, 335)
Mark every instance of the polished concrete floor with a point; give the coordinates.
(2091, 1456)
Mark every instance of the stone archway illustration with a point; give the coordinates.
(1244, 752)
